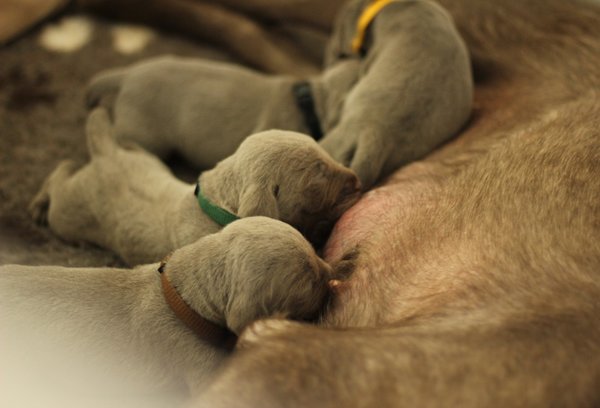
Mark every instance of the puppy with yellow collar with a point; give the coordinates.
(415, 87)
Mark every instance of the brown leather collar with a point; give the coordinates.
(206, 330)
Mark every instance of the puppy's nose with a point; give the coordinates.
(325, 268)
(351, 186)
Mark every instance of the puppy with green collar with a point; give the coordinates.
(83, 335)
(125, 199)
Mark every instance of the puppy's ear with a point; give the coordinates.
(258, 200)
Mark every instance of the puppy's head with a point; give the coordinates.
(288, 176)
(270, 269)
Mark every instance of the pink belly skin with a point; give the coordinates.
(360, 223)
(377, 209)
(386, 227)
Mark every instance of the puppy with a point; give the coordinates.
(118, 326)
(203, 110)
(127, 200)
(415, 88)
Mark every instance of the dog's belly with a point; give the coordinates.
(377, 210)
(387, 237)
(527, 206)
(447, 233)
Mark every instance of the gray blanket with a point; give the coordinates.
(42, 116)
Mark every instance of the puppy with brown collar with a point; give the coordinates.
(127, 200)
(88, 333)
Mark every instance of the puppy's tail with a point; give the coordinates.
(105, 83)
(99, 132)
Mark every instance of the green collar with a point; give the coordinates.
(217, 214)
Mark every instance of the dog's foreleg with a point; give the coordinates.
(372, 151)
(340, 145)
(364, 149)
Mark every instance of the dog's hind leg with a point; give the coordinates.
(103, 84)
(38, 208)
(99, 133)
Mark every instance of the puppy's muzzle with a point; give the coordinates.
(347, 196)
(352, 187)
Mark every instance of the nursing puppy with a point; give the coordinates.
(415, 88)
(203, 110)
(127, 200)
(118, 326)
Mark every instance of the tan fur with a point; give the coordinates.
(479, 283)
(126, 200)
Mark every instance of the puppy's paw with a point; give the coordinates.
(343, 154)
(38, 208)
(257, 331)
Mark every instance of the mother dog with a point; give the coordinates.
(476, 276)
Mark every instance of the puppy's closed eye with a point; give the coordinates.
(276, 191)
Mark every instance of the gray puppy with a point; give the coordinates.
(127, 200)
(203, 110)
(415, 88)
(95, 325)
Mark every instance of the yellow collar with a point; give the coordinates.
(365, 19)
